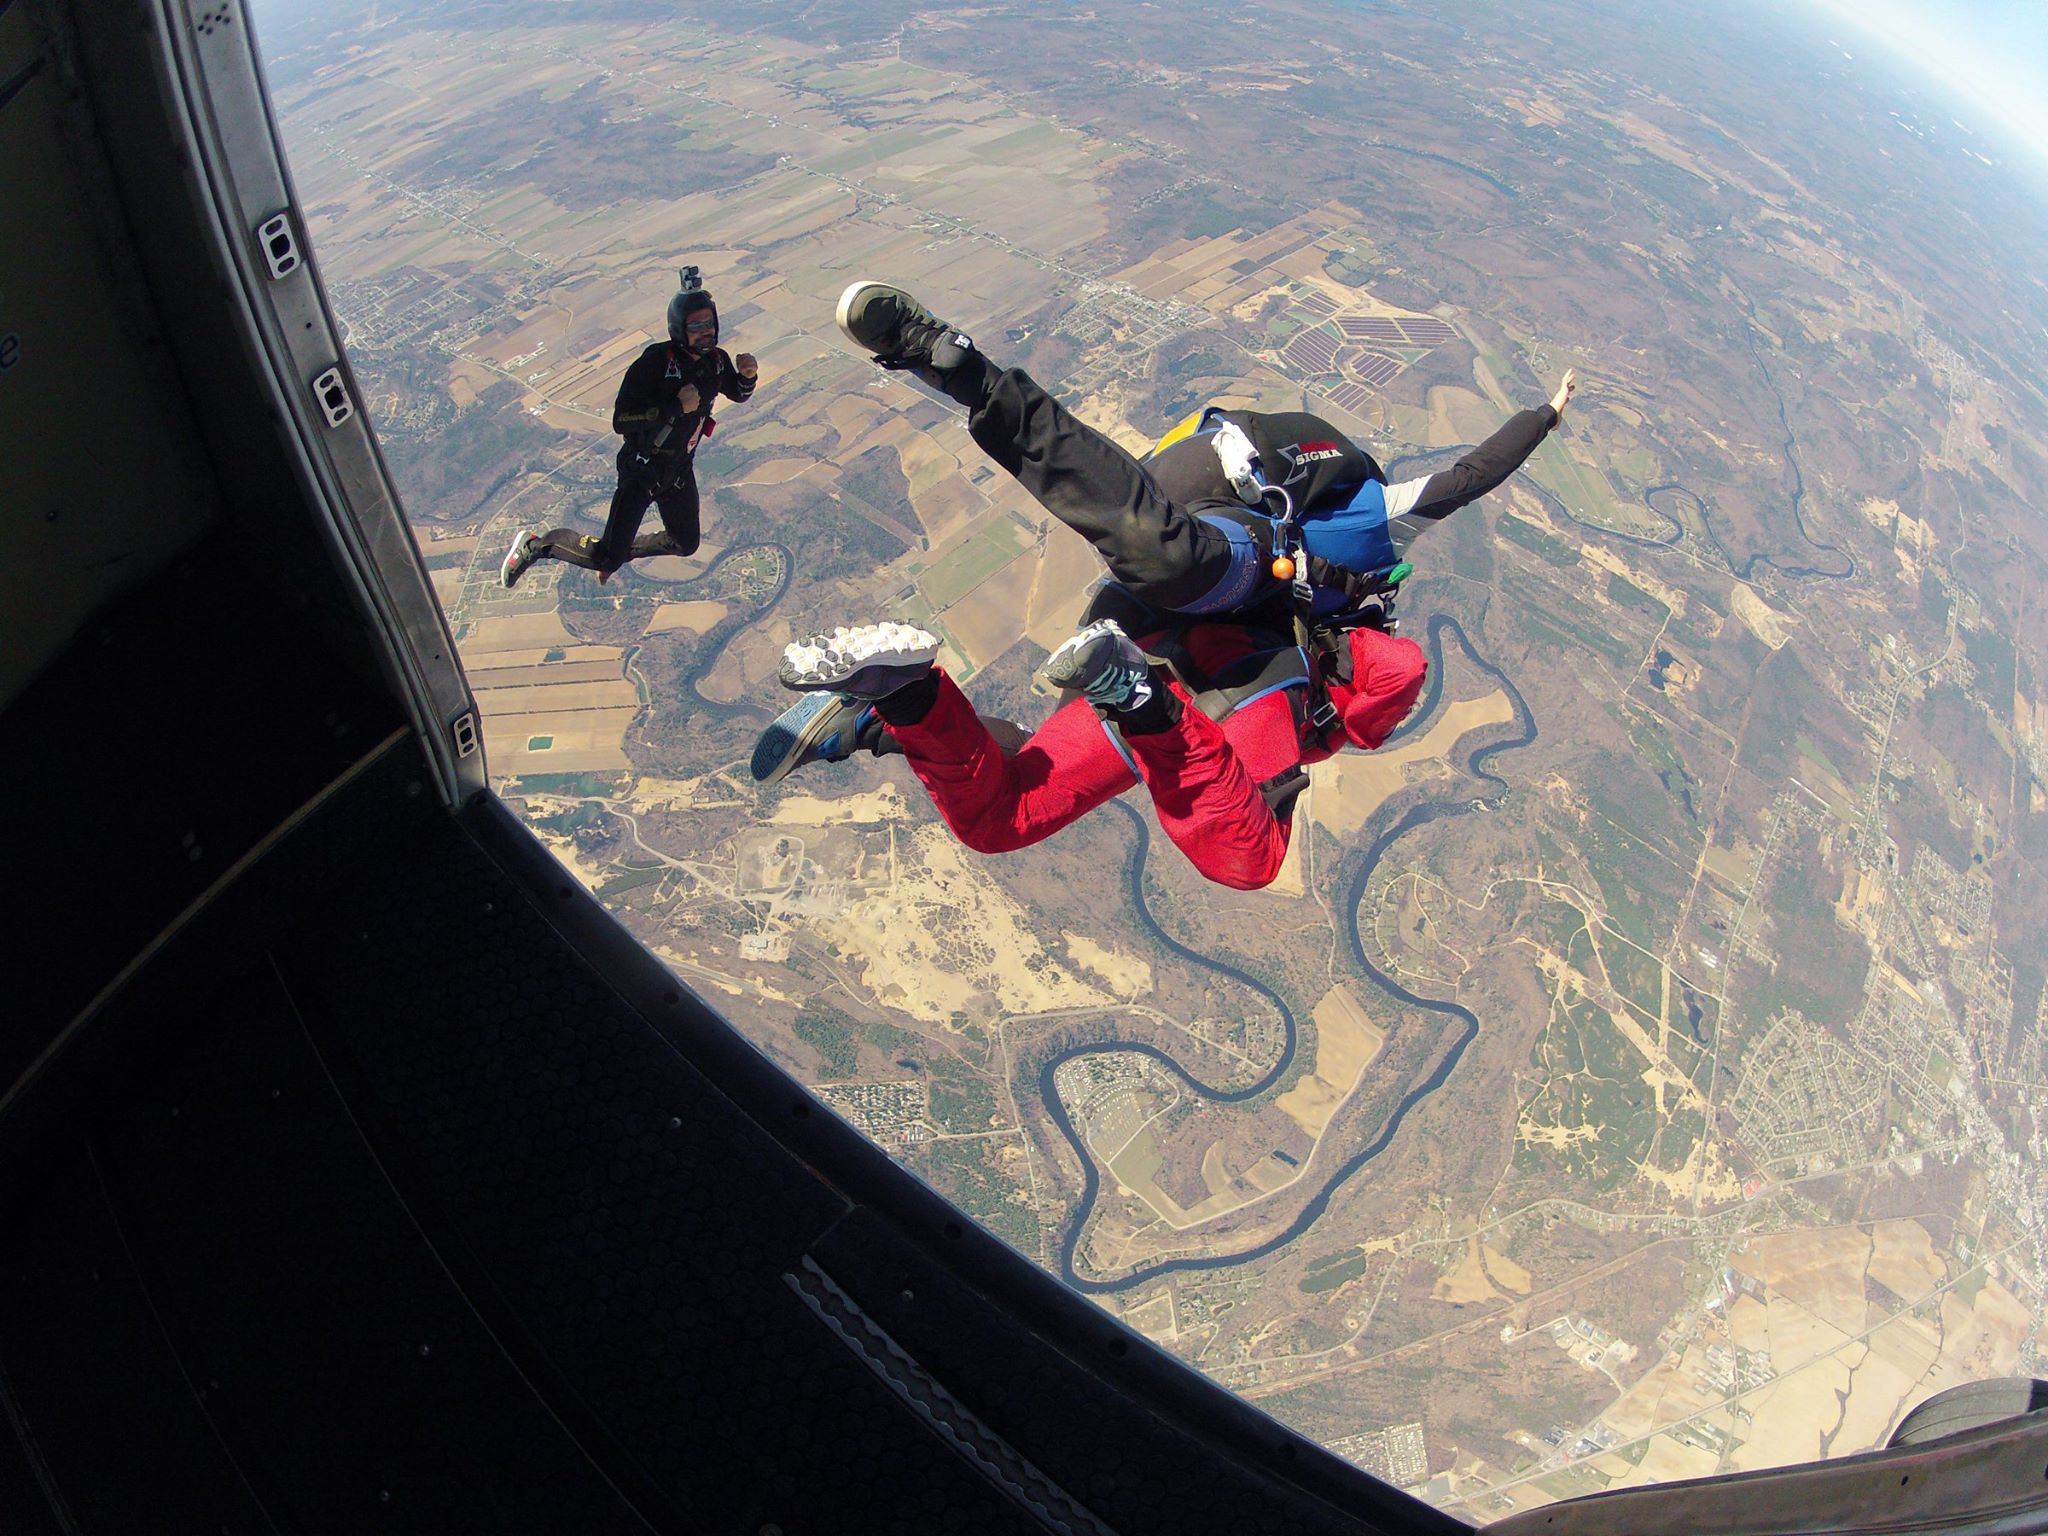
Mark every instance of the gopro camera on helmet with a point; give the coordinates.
(690, 310)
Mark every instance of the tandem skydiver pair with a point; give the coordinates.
(1244, 628)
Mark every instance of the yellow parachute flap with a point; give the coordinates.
(1184, 428)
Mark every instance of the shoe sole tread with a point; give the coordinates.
(783, 744)
(843, 315)
(821, 661)
(512, 567)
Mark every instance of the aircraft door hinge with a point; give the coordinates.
(331, 391)
(280, 247)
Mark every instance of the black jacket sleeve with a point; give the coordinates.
(1481, 470)
(733, 384)
(643, 400)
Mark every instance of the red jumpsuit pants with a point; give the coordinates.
(1203, 777)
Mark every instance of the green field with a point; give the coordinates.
(1595, 1079)
(1552, 550)
(1564, 634)
(1683, 1127)
(1970, 1283)
(871, 150)
(911, 607)
(1624, 593)
(1579, 953)
(1637, 464)
(1992, 654)
(1586, 493)
(1638, 977)
(1024, 147)
(1620, 900)
(830, 1033)
(1327, 1278)
(972, 563)
(631, 880)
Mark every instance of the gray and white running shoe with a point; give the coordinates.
(1104, 665)
(869, 661)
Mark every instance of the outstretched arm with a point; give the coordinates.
(1484, 468)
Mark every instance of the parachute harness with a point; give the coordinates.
(1369, 596)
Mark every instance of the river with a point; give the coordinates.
(1468, 1023)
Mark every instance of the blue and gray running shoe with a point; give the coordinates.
(1104, 665)
(820, 727)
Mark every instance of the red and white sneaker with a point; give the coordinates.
(524, 551)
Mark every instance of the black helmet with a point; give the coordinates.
(681, 307)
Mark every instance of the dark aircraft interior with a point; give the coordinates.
(358, 1171)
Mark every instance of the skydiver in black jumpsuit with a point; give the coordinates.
(664, 411)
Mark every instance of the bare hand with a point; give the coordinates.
(747, 365)
(687, 399)
(1563, 396)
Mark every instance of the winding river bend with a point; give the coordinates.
(715, 640)
(1674, 529)
(1416, 816)
(1791, 451)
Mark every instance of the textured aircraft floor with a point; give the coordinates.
(375, 1205)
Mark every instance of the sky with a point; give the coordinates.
(1995, 52)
